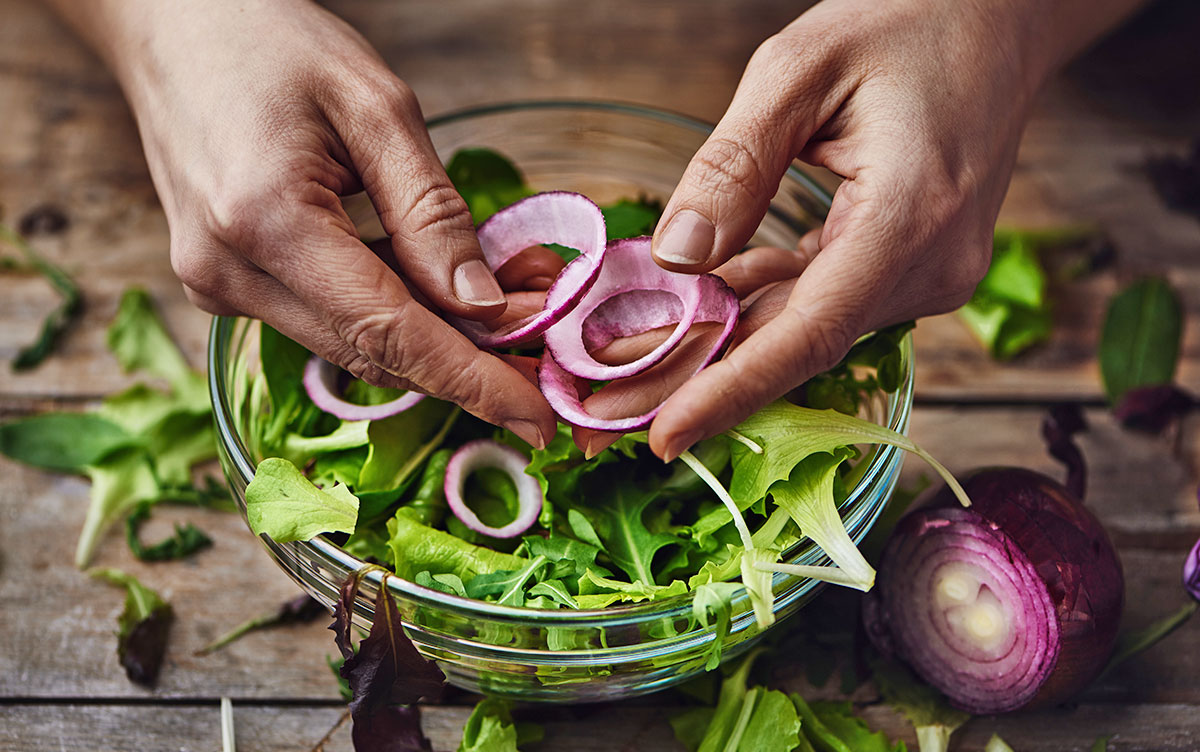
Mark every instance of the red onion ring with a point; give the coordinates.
(320, 381)
(717, 303)
(629, 268)
(560, 217)
(475, 455)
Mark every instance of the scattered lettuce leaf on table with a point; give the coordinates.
(490, 728)
(142, 627)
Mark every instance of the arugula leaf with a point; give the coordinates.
(286, 506)
(298, 610)
(139, 340)
(446, 583)
(416, 547)
(615, 510)
(187, 539)
(508, 585)
(926, 709)
(180, 441)
(120, 481)
(142, 627)
(569, 558)
(490, 728)
(556, 591)
(487, 181)
(63, 442)
(60, 318)
(1139, 344)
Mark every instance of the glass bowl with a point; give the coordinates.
(607, 151)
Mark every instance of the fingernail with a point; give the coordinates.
(686, 240)
(681, 443)
(527, 430)
(474, 284)
(597, 443)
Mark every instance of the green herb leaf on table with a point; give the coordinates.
(187, 539)
(142, 627)
(994, 744)
(926, 708)
(121, 481)
(837, 728)
(63, 442)
(60, 318)
(1139, 343)
(139, 340)
(286, 506)
(1101, 744)
(490, 728)
(1009, 311)
(298, 610)
(1132, 642)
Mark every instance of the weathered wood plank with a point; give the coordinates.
(595, 728)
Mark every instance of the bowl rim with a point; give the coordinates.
(678, 606)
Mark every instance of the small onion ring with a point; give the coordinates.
(717, 303)
(628, 267)
(561, 217)
(475, 455)
(320, 381)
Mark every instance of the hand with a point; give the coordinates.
(256, 118)
(919, 106)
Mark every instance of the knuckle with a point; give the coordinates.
(199, 267)
(375, 337)
(236, 216)
(726, 166)
(439, 209)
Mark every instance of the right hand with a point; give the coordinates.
(256, 118)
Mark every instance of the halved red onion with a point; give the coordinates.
(320, 381)
(560, 217)
(1012, 603)
(633, 294)
(717, 303)
(476, 455)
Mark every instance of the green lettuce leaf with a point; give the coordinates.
(140, 341)
(1009, 311)
(286, 506)
(416, 547)
(63, 442)
(615, 510)
(490, 728)
(120, 481)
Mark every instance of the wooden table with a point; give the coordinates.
(67, 140)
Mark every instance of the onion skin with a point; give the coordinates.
(1037, 520)
(1191, 572)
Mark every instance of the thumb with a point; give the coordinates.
(730, 181)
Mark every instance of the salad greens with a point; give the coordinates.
(490, 728)
(1139, 344)
(619, 527)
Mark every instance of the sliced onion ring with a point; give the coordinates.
(561, 217)
(320, 381)
(717, 303)
(628, 268)
(475, 455)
